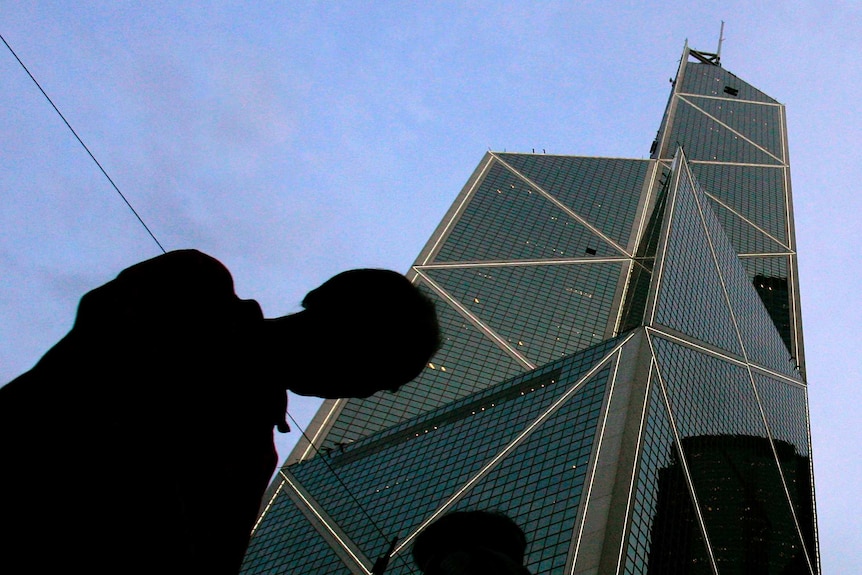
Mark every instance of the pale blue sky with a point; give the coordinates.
(295, 140)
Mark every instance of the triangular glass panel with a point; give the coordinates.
(756, 192)
(704, 139)
(507, 219)
(763, 343)
(636, 295)
(757, 122)
(665, 535)
(541, 483)
(730, 461)
(544, 312)
(690, 297)
(709, 80)
(307, 550)
(708, 396)
(603, 191)
(466, 362)
(745, 238)
(402, 475)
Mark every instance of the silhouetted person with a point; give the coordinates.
(471, 543)
(142, 442)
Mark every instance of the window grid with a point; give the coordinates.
(691, 299)
(705, 139)
(545, 312)
(506, 219)
(709, 80)
(603, 191)
(470, 360)
(759, 123)
(754, 191)
(307, 551)
(400, 480)
(731, 461)
(763, 343)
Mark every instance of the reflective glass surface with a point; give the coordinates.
(691, 298)
(708, 140)
(756, 122)
(544, 312)
(786, 409)
(398, 477)
(708, 396)
(603, 191)
(769, 277)
(763, 343)
(540, 485)
(305, 550)
(665, 536)
(720, 131)
(726, 135)
(507, 219)
(756, 192)
(709, 80)
(640, 280)
(745, 238)
(731, 463)
(467, 362)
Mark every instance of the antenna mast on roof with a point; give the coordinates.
(707, 57)
(720, 39)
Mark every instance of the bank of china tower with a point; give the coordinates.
(622, 372)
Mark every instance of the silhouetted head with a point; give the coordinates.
(471, 542)
(364, 331)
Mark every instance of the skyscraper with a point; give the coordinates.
(622, 371)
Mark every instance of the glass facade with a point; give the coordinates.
(735, 140)
(528, 270)
(691, 297)
(643, 318)
(485, 445)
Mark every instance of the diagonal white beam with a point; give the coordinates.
(695, 344)
(456, 215)
(730, 99)
(571, 213)
(746, 220)
(682, 458)
(736, 132)
(512, 445)
(661, 249)
(520, 263)
(634, 477)
(597, 450)
(481, 325)
(347, 549)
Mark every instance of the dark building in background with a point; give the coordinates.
(622, 371)
(743, 504)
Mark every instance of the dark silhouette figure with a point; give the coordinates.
(471, 543)
(142, 442)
